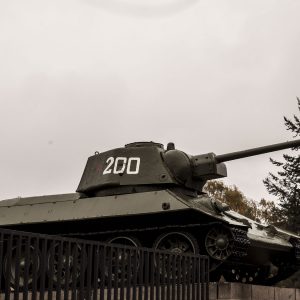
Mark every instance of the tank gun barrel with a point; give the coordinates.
(256, 151)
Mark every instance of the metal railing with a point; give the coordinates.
(35, 266)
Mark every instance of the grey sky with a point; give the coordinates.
(87, 75)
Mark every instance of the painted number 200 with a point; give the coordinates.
(121, 165)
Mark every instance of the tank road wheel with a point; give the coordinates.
(123, 260)
(177, 242)
(125, 240)
(219, 243)
(64, 264)
(28, 262)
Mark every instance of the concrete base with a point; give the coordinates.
(239, 291)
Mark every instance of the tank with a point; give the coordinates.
(145, 195)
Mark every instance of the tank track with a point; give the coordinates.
(240, 245)
(241, 242)
(133, 230)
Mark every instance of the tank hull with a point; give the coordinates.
(163, 219)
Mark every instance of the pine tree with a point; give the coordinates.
(285, 184)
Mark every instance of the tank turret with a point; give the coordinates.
(147, 165)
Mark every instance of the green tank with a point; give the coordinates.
(146, 195)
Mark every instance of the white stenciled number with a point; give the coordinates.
(120, 165)
(109, 162)
(133, 162)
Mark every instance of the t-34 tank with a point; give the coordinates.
(146, 195)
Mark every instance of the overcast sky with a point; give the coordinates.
(89, 75)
